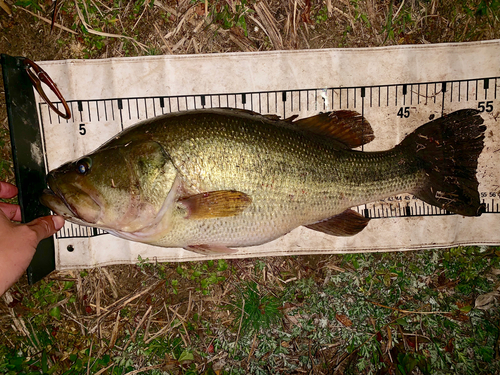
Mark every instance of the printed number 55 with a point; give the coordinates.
(485, 106)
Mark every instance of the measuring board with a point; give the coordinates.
(403, 101)
(394, 105)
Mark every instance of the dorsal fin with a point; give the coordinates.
(346, 127)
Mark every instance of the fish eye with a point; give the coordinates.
(83, 165)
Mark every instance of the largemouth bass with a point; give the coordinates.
(211, 180)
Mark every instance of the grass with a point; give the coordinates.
(393, 313)
(359, 313)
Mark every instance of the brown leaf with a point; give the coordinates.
(344, 320)
(487, 301)
(449, 347)
(457, 315)
(200, 9)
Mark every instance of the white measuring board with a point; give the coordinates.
(397, 89)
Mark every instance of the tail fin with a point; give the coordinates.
(447, 150)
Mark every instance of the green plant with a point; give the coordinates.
(397, 24)
(28, 3)
(231, 16)
(359, 15)
(255, 310)
(322, 15)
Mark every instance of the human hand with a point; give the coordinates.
(18, 242)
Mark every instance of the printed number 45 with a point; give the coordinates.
(404, 112)
(485, 106)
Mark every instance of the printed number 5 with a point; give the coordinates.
(83, 131)
(485, 106)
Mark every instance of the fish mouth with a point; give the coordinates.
(73, 204)
(58, 204)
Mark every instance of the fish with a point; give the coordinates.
(213, 180)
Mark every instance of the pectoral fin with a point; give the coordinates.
(348, 223)
(213, 204)
(210, 249)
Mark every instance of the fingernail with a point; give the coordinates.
(58, 222)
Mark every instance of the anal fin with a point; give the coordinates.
(213, 204)
(210, 249)
(348, 223)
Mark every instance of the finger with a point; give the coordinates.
(12, 211)
(7, 190)
(46, 226)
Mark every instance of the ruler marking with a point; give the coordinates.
(97, 110)
(443, 89)
(362, 114)
(120, 107)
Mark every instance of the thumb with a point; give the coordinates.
(46, 226)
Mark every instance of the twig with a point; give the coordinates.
(241, 320)
(182, 320)
(268, 19)
(102, 15)
(346, 16)
(90, 356)
(5, 7)
(145, 7)
(146, 330)
(111, 280)
(49, 21)
(409, 311)
(114, 333)
(103, 370)
(169, 50)
(399, 9)
(144, 369)
(161, 331)
(132, 338)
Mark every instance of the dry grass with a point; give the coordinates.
(178, 318)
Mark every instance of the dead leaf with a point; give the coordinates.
(344, 320)
(495, 271)
(449, 347)
(487, 301)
